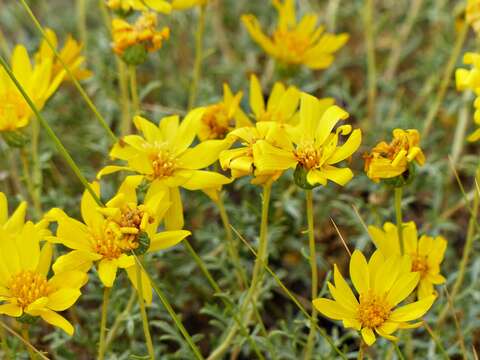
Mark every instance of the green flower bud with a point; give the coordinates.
(135, 55)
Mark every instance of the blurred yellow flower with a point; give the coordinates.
(70, 55)
(281, 106)
(241, 161)
(470, 80)
(382, 284)
(163, 157)
(314, 148)
(109, 235)
(221, 118)
(186, 4)
(295, 43)
(161, 6)
(142, 36)
(426, 253)
(473, 14)
(25, 288)
(392, 160)
(38, 81)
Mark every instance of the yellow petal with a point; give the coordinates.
(146, 286)
(327, 122)
(11, 310)
(167, 239)
(150, 131)
(74, 279)
(368, 336)
(359, 272)
(45, 259)
(332, 309)
(75, 260)
(107, 271)
(174, 216)
(202, 179)
(344, 290)
(88, 206)
(17, 220)
(403, 287)
(340, 176)
(62, 299)
(3, 208)
(187, 130)
(348, 148)
(57, 320)
(257, 104)
(412, 311)
(204, 154)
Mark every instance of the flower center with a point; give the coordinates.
(217, 121)
(373, 310)
(420, 264)
(132, 222)
(163, 164)
(294, 44)
(28, 286)
(307, 156)
(107, 245)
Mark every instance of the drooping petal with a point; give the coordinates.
(57, 320)
(368, 336)
(107, 271)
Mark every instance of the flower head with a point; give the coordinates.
(108, 236)
(133, 42)
(221, 118)
(70, 55)
(472, 12)
(38, 81)
(314, 147)
(164, 158)
(25, 287)
(389, 160)
(295, 43)
(381, 284)
(426, 253)
(470, 80)
(161, 6)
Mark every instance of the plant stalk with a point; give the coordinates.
(103, 323)
(398, 216)
(143, 312)
(197, 66)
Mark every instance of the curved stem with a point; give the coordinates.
(133, 89)
(26, 337)
(116, 325)
(103, 323)
(313, 266)
(143, 312)
(197, 66)
(398, 216)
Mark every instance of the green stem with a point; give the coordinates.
(133, 89)
(436, 341)
(398, 216)
(171, 312)
(231, 245)
(82, 21)
(197, 66)
(25, 342)
(143, 312)
(103, 323)
(26, 174)
(58, 144)
(119, 319)
(26, 337)
(361, 350)
(36, 169)
(313, 267)
(79, 87)
(398, 351)
(371, 68)
(3, 339)
(125, 126)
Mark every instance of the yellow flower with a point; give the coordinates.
(281, 106)
(38, 81)
(25, 288)
(426, 253)
(109, 235)
(16, 221)
(295, 43)
(241, 161)
(392, 160)
(163, 157)
(186, 4)
(161, 6)
(144, 32)
(473, 14)
(221, 118)
(313, 148)
(470, 80)
(70, 55)
(382, 284)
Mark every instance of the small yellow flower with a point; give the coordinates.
(382, 284)
(241, 161)
(391, 160)
(70, 55)
(26, 288)
(143, 32)
(221, 118)
(473, 14)
(470, 80)
(161, 6)
(109, 235)
(313, 148)
(38, 81)
(426, 253)
(281, 106)
(164, 158)
(295, 43)
(186, 4)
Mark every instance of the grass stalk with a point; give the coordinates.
(26, 337)
(103, 323)
(119, 319)
(398, 351)
(371, 67)
(5, 348)
(436, 340)
(82, 22)
(197, 66)
(125, 126)
(36, 168)
(143, 313)
(398, 216)
(132, 72)
(24, 341)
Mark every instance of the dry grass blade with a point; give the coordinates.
(27, 344)
(341, 237)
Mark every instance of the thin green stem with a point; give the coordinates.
(398, 351)
(103, 323)
(79, 87)
(458, 327)
(398, 216)
(25, 342)
(58, 144)
(27, 177)
(361, 350)
(143, 312)
(119, 319)
(313, 267)
(125, 125)
(197, 66)
(26, 337)
(436, 341)
(371, 67)
(231, 244)
(82, 21)
(171, 312)
(36, 168)
(293, 298)
(132, 70)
